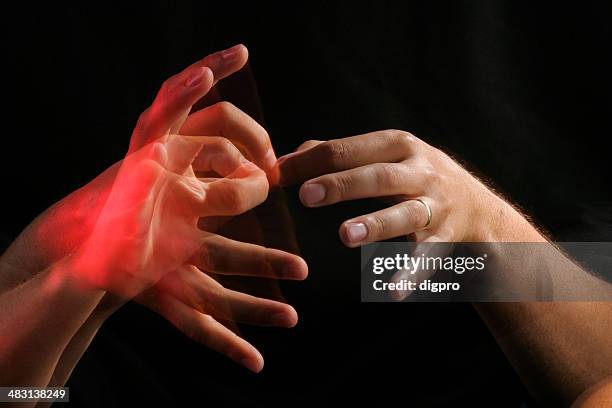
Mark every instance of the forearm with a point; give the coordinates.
(56, 232)
(82, 339)
(38, 320)
(558, 348)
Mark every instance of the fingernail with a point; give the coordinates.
(231, 53)
(195, 78)
(311, 194)
(356, 232)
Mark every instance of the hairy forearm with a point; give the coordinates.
(558, 348)
(38, 320)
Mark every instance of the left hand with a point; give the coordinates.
(395, 164)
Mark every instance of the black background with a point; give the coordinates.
(520, 92)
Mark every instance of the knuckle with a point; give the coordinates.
(342, 185)
(167, 91)
(165, 86)
(377, 225)
(224, 144)
(224, 110)
(236, 200)
(406, 142)
(143, 117)
(210, 257)
(390, 175)
(142, 124)
(335, 152)
(204, 304)
(431, 175)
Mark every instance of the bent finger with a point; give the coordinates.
(227, 120)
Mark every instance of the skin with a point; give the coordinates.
(598, 396)
(382, 164)
(88, 254)
(559, 348)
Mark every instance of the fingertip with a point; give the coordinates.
(199, 77)
(292, 317)
(287, 318)
(344, 236)
(353, 233)
(296, 269)
(253, 362)
(208, 74)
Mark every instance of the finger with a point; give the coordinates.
(276, 223)
(198, 290)
(202, 153)
(225, 256)
(218, 155)
(224, 119)
(308, 144)
(243, 186)
(173, 101)
(204, 329)
(236, 193)
(400, 219)
(226, 62)
(373, 180)
(180, 92)
(342, 154)
(430, 247)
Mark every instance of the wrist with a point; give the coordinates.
(499, 221)
(69, 276)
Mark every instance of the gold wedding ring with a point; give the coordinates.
(428, 213)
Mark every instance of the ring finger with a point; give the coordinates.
(399, 220)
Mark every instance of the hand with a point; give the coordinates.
(148, 226)
(397, 165)
(190, 300)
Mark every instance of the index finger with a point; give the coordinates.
(387, 146)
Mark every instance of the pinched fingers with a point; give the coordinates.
(242, 190)
(242, 184)
(225, 119)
